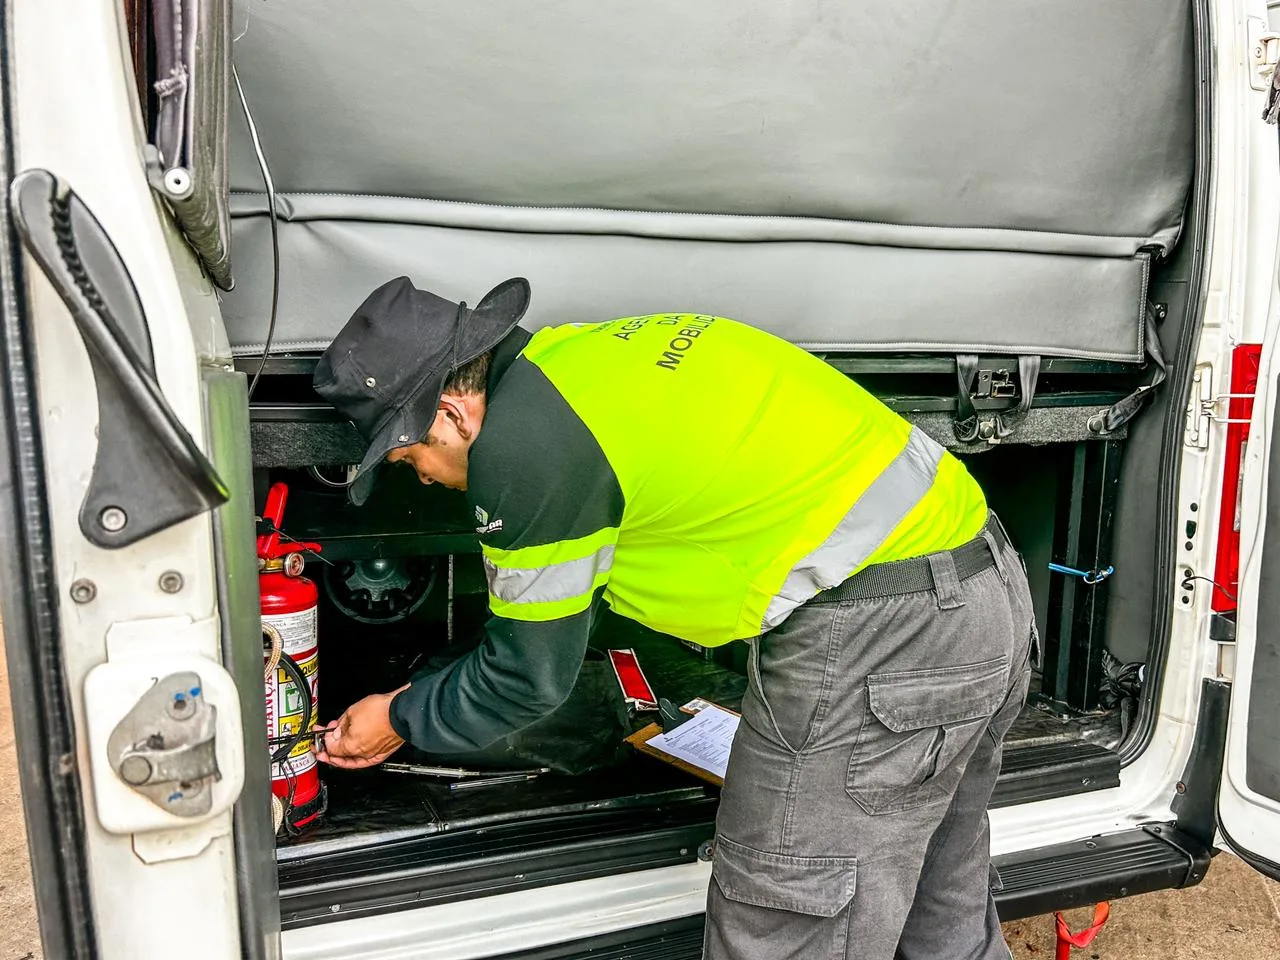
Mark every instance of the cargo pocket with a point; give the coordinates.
(807, 899)
(919, 729)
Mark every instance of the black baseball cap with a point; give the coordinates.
(387, 367)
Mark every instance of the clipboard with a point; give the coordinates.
(640, 740)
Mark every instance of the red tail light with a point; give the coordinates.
(1244, 382)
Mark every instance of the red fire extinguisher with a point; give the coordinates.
(289, 602)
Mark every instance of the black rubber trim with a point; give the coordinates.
(1268, 868)
(1040, 881)
(458, 865)
(1053, 770)
(1086, 872)
(1261, 718)
(46, 745)
(1176, 394)
(227, 420)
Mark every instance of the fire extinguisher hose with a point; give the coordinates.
(283, 811)
(277, 658)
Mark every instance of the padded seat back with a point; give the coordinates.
(989, 175)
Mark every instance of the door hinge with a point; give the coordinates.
(1222, 631)
(1205, 408)
(1199, 408)
(1264, 53)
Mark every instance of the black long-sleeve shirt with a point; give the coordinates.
(536, 476)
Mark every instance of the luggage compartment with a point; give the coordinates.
(1007, 271)
(402, 589)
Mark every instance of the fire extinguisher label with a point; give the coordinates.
(297, 630)
(286, 706)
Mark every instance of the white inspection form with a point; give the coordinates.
(703, 740)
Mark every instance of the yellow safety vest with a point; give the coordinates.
(723, 477)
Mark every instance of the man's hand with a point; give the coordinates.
(362, 736)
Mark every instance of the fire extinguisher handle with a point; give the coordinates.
(273, 513)
(277, 497)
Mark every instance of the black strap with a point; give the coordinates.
(966, 422)
(1028, 376)
(1122, 411)
(317, 806)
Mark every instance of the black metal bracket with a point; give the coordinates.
(1196, 801)
(1222, 627)
(977, 381)
(148, 473)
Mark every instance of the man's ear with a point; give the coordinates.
(458, 412)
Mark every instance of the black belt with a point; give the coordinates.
(899, 577)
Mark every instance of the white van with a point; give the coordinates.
(1044, 232)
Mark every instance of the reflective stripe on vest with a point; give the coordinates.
(548, 581)
(560, 581)
(875, 515)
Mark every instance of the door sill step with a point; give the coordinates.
(1050, 770)
(395, 873)
(1060, 877)
(1085, 872)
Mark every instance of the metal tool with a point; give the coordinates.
(492, 781)
(462, 772)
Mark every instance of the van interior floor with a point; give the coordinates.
(1047, 753)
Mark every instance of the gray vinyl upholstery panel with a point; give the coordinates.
(821, 295)
(1070, 117)
(916, 175)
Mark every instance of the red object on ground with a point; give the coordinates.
(289, 603)
(1067, 939)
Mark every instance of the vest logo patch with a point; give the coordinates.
(487, 525)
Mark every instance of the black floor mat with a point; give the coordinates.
(379, 802)
(369, 801)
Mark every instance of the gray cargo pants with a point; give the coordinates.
(853, 822)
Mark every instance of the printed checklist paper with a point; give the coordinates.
(703, 741)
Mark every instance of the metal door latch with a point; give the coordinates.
(1264, 51)
(165, 747)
